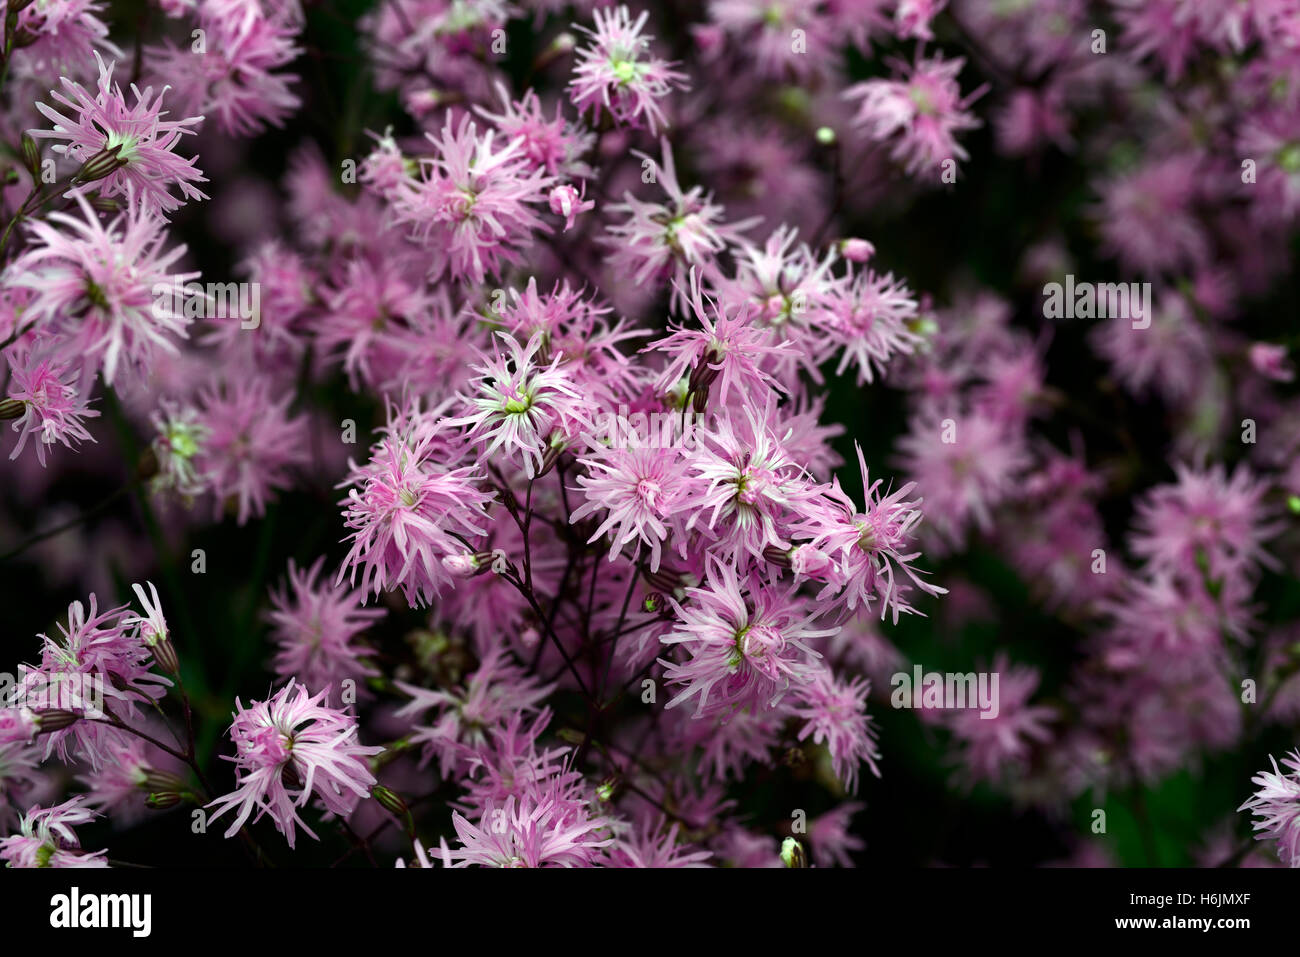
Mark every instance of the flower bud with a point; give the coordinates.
(12, 408)
(792, 854)
(55, 719)
(31, 155)
(463, 565)
(779, 557)
(809, 562)
(164, 652)
(608, 789)
(104, 163)
(392, 802)
(703, 373)
(552, 455)
(1270, 361)
(856, 250)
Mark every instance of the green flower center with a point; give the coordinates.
(625, 71)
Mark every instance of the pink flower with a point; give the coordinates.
(640, 488)
(233, 77)
(530, 831)
(656, 846)
(568, 202)
(996, 742)
(920, 114)
(872, 320)
(46, 838)
(834, 712)
(784, 289)
(870, 545)
(615, 71)
(495, 693)
(554, 146)
(913, 17)
(747, 488)
(406, 509)
(1270, 361)
(53, 407)
(726, 350)
(664, 239)
(142, 141)
(1276, 806)
(1206, 524)
(94, 286)
(315, 627)
(472, 206)
(524, 405)
(59, 36)
(1147, 217)
(134, 771)
(179, 436)
(746, 646)
(831, 838)
(250, 446)
(856, 250)
(98, 665)
(289, 749)
(963, 466)
(794, 40)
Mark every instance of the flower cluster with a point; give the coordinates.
(611, 431)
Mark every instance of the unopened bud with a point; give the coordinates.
(608, 789)
(810, 562)
(392, 802)
(856, 250)
(164, 652)
(466, 564)
(792, 854)
(779, 557)
(703, 373)
(104, 163)
(31, 155)
(700, 403)
(553, 452)
(55, 719)
(924, 326)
